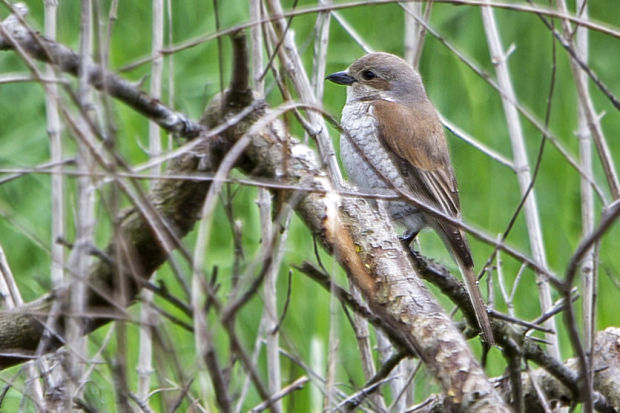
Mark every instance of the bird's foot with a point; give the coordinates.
(407, 239)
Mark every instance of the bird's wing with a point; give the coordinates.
(417, 138)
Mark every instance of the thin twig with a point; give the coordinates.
(610, 216)
(524, 8)
(525, 179)
(285, 391)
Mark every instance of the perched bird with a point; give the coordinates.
(394, 140)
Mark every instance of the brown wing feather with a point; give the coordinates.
(417, 137)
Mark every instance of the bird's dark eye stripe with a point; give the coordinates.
(368, 74)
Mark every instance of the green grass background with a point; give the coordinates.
(489, 191)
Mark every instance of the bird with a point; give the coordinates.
(393, 140)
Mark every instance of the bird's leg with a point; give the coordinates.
(407, 238)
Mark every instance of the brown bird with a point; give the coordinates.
(395, 141)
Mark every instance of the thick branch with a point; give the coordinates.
(177, 202)
(606, 361)
(366, 245)
(539, 383)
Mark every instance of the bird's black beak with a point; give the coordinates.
(342, 78)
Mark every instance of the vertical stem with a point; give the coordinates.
(385, 348)
(586, 106)
(53, 130)
(170, 62)
(330, 397)
(415, 31)
(58, 207)
(317, 364)
(290, 58)
(147, 315)
(522, 166)
(362, 335)
(589, 129)
(265, 204)
(412, 31)
(80, 259)
(587, 197)
(156, 75)
(271, 309)
(321, 43)
(256, 46)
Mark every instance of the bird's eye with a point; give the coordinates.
(368, 74)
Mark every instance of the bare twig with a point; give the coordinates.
(292, 62)
(610, 216)
(524, 8)
(296, 385)
(68, 61)
(589, 268)
(521, 164)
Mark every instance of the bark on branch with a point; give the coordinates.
(538, 384)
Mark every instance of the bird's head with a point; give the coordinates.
(381, 76)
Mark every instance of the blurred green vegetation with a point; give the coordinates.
(489, 191)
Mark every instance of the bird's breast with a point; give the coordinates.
(368, 164)
(363, 155)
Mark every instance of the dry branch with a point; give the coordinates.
(606, 360)
(365, 244)
(177, 202)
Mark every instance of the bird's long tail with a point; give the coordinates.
(456, 242)
(480, 310)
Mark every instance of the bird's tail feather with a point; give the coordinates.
(456, 242)
(480, 310)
